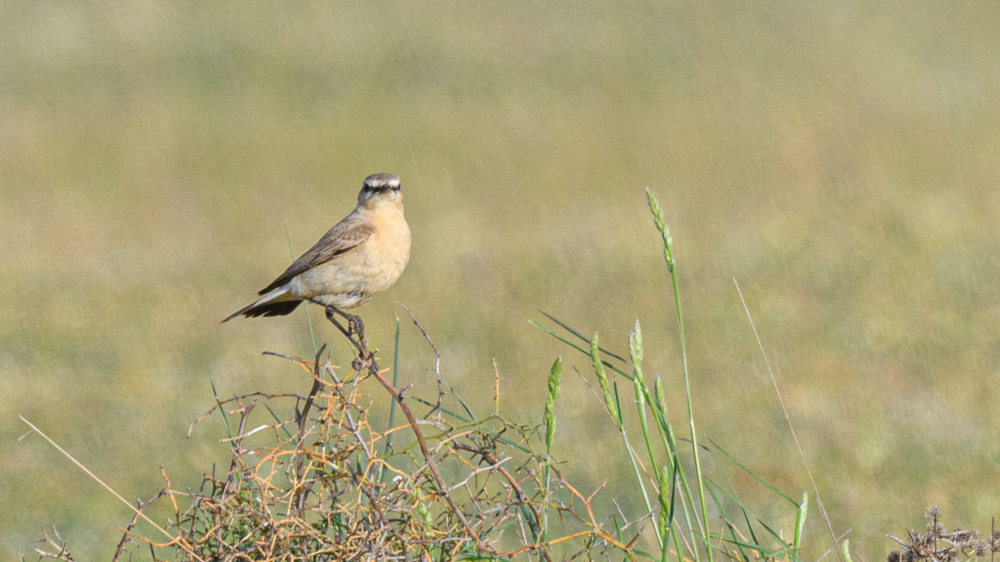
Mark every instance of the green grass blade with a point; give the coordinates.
(781, 543)
(743, 509)
(800, 521)
(464, 404)
(722, 515)
(278, 420)
(578, 334)
(754, 474)
(765, 553)
(735, 495)
(578, 348)
(222, 411)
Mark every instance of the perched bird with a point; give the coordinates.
(361, 256)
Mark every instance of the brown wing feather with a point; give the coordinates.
(343, 237)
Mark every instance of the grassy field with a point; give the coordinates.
(840, 160)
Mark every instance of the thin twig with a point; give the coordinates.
(110, 489)
(437, 359)
(788, 420)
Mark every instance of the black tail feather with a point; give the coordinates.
(267, 309)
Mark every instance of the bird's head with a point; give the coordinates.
(380, 188)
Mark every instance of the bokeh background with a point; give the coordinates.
(839, 159)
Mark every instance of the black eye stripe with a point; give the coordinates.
(371, 188)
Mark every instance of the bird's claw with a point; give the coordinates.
(356, 326)
(363, 362)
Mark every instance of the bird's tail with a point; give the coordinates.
(266, 306)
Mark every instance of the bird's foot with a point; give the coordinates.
(355, 325)
(364, 362)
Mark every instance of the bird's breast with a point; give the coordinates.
(390, 243)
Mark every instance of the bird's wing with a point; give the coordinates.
(342, 238)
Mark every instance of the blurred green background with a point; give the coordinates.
(839, 159)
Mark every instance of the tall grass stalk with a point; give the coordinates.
(639, 385)
(614, 409)
(676, 470)
(555, 379)
(690, 539)
(668, 256)
(670, 446)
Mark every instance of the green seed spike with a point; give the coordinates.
(845, 550)
(654, 206)
(664, 485)
(661, 225)
(555, 378)
(602, 378)
(661, 402)
(635, 349)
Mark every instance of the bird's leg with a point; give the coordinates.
(346, 331)
(357, 326)
(354, 323)
(354, 326)
(330, 310)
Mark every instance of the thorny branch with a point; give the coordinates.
(941, 545)
(309, 487)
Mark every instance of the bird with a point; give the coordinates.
(356, 260)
